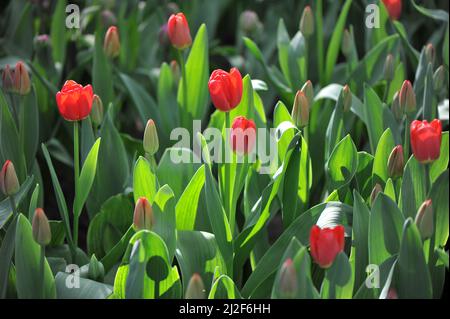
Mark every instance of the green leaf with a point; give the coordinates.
(88, 289)
(439, 197)
(86, 179)
(380, 164)
(440, 165)
(29, 274)
(413, 190)
(7, 252)
(29, 127)
(164, 214)
(58, 32)
(33, 202)
(343, 163)
(429, 108)
(413, 277)
(101, 72)
(145, 183)
(224, 288)
(170, 117)
(282, 115)
(338, 281)
(440, 15)
(385, 228)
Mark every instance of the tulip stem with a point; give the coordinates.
(406, 140)
(13, 205)
(427, 178)
(76, 164)
(227, 177)
(183, 78)
(42, 265)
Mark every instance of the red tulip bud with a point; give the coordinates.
(288, 285)
(394, 8)
(243, 135)
(439, 78)
(22, 83)
(178, 31)
(111, 44)
(396, 162)
(430, 53)
(396, 108)
(9, 182)
(195, 288)
(426, 140)
(41, 228)
(225, 89)
(326, 244)
(143, 215)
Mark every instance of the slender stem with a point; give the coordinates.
(42, 265)
(183, 77)
(427, 178)
(13, 205)
(306, 58)
(406, 140)
(76, 164)
(227, 178)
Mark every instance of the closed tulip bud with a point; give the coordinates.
(178, 31)
(8, 79)
(143, 215)
(430, 53)
(41, 228)
(300, 110)
(97, 110)
(426, 140)
(175, 70)
(307, 22)
(392, 293)
(96, 269)
(243, 135)
(9, 182)
(151, 141)
(195, 288)
(396, 162)
(439, 78)
(326, 244)
(375, 191)
(424, 219)
(347, 98)
(249, 22)
(396, 108)
(394, 8)
(308, 90)
(388, 70)
(111, 44)
(407, 98)
(22, 83)
(288, 285)
(346, 43)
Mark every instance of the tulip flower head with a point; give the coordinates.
(424, 219)
(225, 89)
(300, 110)
(326, 244)
(243, 135)
(195, 288)
(74, 101)
(178, 31)
(143, 215)
(41, 228)
(426, 140)
(9, 183)
(396, 162)
(307, 22)
(394, 8)
(407, 97)
(22, 83)
(111, 44)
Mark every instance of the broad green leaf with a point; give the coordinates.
(29, 127)
(224, 288)
(33, 202)
(384, 148)
(338, 281)
(101, 72)
(88, 289)
(58, 32)
(145, 183)
(343, 163)
(413, 188)
(164, 215)
(429, 108)
(440, 15)
(7, 252)
(439, 197)
(441, 164)
(281, 115)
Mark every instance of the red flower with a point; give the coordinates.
(225, 89)
(178, 31)
(426, 140)
(326, 244)
(394, 8)
(74, 101)
(243, 135)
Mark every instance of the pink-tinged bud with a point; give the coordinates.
(175, 70)
(288, 285)
(22, 83)
(396, 162)
(150, 141)
(143, 215)
(41, 228)
(243, 135)
(392, 293)
(307, 22)
(178, 31)
(300, 110)
(424, 219)
(439, 78)
(308, 90)
(97, 110)
(346, 98)
(388, 70)
(396, 108)
(430, 53)
(9, 182)
(195, 288)
(407, 98)
(111, 44)
(8, 79)
(375, 191)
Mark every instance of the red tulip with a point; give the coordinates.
(9, 183)
(394, 8)
(243, 135)
(74, 101)
(178, 31)
(326, 244)
(426, 140)
(225, 89)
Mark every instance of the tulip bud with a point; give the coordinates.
(308, 90)
(430, 53)
(407, 97)
(195, 288)
(392, 293)
(97, 110)
(346, 43)
(9, 182)
(288, 285)
(439, 78)
(143, 215)
(22, 83)
(108, 18)
(178, 31)
(41, 228)
(396, 162)
(249, 22)
(111, 44)
(424, 219)
(388, 70)
(300, 110)
(8, 79)
(151, 142)
(96, 270)
(395, 107)
(43, 48)
(375, 191)
(175, 70)
(307, 22)
(346, 98)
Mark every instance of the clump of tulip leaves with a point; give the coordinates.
(333, 171)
